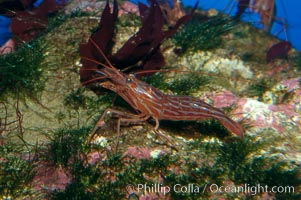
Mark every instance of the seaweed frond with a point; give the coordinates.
(141, 51)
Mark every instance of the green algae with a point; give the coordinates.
(65, 144)
(58, 78)
(203, 34)
(258, 89)
(78, 99)
(295, 60)
(21, 71)
(188, 84)
(16, 173)
(127, 20)
(225, 161)
(184, 85)
(261, 169)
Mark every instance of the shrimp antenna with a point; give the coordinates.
(109, 65)
(103, 55)
(158, 70)
(96, 62)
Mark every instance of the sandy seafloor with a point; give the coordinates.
(184, 152)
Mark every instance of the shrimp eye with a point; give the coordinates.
(128, 80)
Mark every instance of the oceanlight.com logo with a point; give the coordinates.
(252, 190)
(210, 188)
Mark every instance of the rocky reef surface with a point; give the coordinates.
(59, 159)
